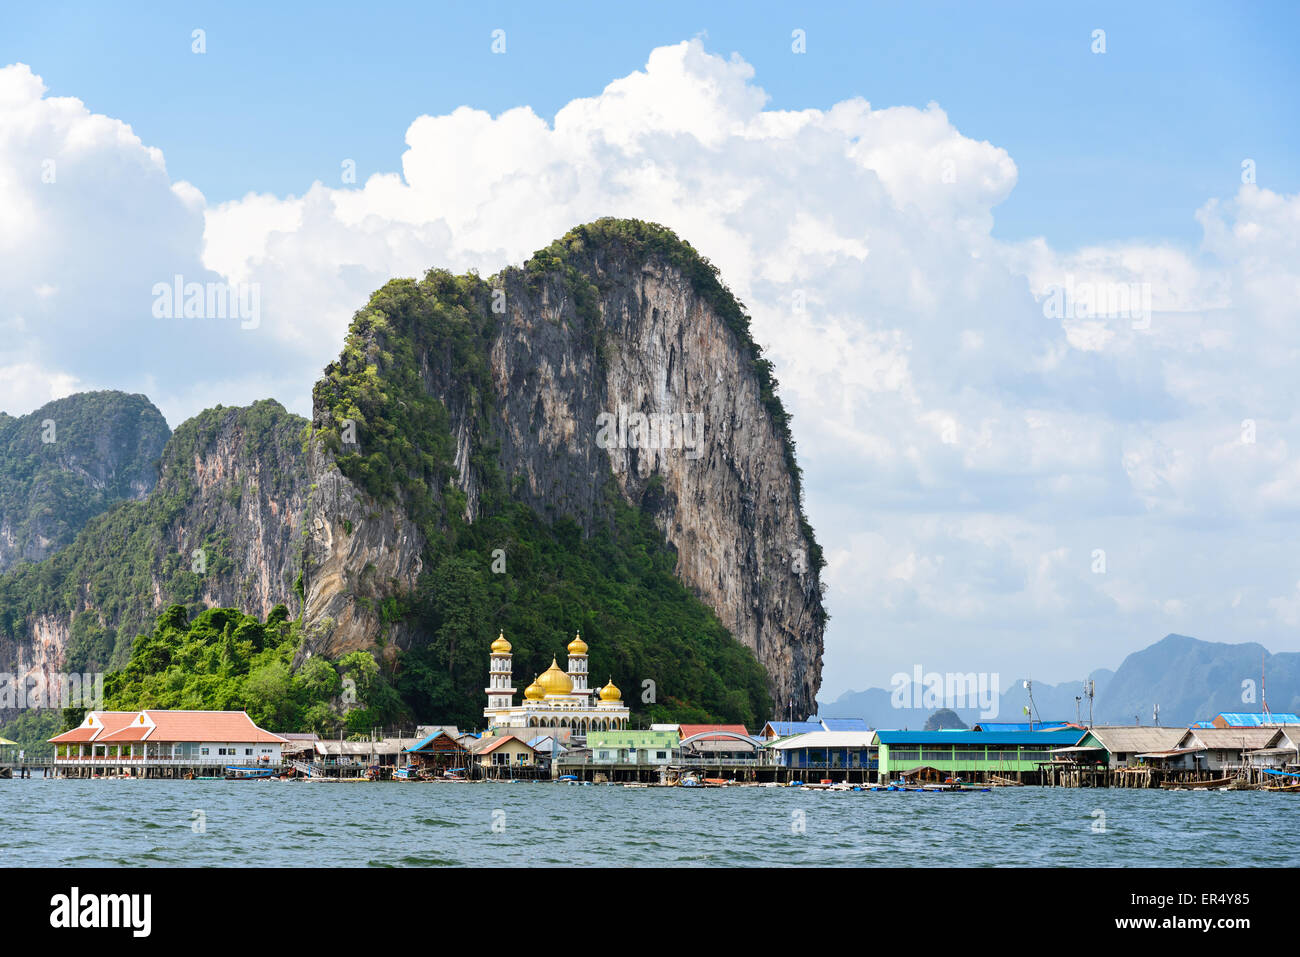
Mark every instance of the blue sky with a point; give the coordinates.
(998, 487)
(1120, 145)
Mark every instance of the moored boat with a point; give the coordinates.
(1196, 785)
(236, 773)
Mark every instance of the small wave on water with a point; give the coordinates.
(412, 861)
(380, 825)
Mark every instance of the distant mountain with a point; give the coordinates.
(69, 461)
(944, 718)
(1191, 680)
(878, 705)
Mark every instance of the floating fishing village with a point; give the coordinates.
(565, 732)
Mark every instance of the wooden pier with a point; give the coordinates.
(1244, 777)
(25, 768)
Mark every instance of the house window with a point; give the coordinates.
(661, 755)
(248, 750)
(204, 752)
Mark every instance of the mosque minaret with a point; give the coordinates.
(556, 698)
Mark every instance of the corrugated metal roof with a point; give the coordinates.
(827, 739)
(1047, 738)
(235, 727)
(1135, 739)
(357, 748)
(429, 738)
(785, 728)
(1231, 739)
(1020, 725)
(97, 723)
(691, 730)
(844, 724)
(488, 745)
(1243, 719)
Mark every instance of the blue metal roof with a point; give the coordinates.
(1020, 725)
(786, 728)
(1203, 724)
(419, 744)
(1238, 719)
(844, 724)
(1059, 738)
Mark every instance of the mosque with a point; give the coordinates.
(555, 699)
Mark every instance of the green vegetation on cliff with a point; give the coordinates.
(510, 568)
(70, 460)
(105, 580)
(226, 660)
(617, 584)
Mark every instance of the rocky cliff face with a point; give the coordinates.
(70, 460)
(244, 490)
(667, 403)
(223, 527)
(611, 364)
(358, 555)
(616, 359)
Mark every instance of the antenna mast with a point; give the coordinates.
(1263, 688)
(1032, 710)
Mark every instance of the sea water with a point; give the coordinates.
(48, 822)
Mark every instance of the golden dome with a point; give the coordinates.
(610, 692)
(577, 646)
(501, 646)
(553, 681)
(534, 692)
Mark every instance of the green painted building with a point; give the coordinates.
(633, 747)
(969, 753)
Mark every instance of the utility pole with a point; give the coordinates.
(1032, 710)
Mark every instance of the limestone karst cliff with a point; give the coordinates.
(221, 528)
(597, 422)
(70, 460)
(615, 355)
